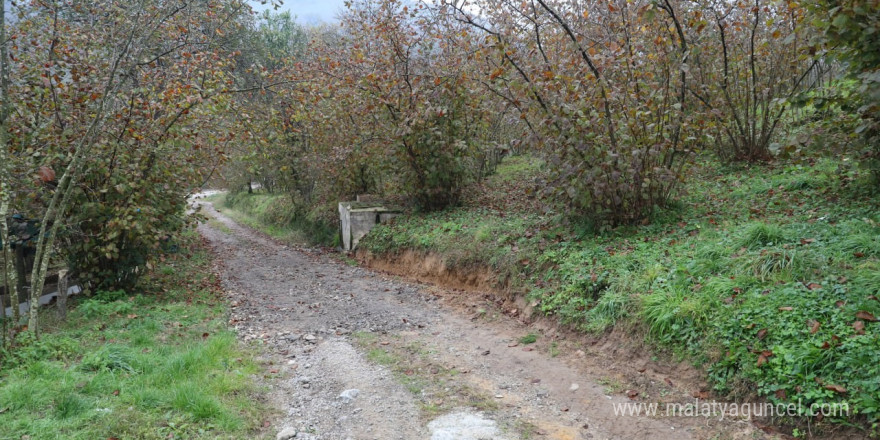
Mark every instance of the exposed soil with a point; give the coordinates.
(417, 353)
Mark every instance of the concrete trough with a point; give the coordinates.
(356, 219)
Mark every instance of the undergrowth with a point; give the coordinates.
(766, 276)
(277, 216)
(156, 364)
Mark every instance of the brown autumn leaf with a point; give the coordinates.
(859, 327)
(806, 241)
(702, 394)
(786, 309)
(762, 360)
(836, 388)
(46, 174)
(814, 286)
(780, 394)
(762, 333)
(867, 316)
(858, 254)
(132, 316)
(814, 327)
(632, 394)
(825, 345)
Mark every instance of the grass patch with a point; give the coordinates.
(153, 365)
(733, 278)
(530, 338)
(275, 215)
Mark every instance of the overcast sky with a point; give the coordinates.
(309, 11)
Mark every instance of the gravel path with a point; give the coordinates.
(358, 355)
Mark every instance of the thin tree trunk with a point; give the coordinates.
(61, 199)
(10, 274)
(62, 294)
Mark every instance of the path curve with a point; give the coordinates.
(325, 323)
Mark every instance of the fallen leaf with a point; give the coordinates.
(867, 316)
(814, 327)
(132, 316)
(700, 394)
(528, 349)
(780, 394)
(762, 360)
(814, 286)
(859, 327)
(115, 392)
(786, 309)
(762, 333)
(806, 241)
(46, 174)
(632, 394)
(836, 388)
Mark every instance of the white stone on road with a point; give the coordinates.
(464, 426)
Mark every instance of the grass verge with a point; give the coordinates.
(276, 216)
(768, 277)
(155, 365)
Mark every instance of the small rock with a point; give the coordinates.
(574, 387)
(309, 338)
(286, 434)
(543, 393)
(348, 396)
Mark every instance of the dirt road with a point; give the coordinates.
(360, 355)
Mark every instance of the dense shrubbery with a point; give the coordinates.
(408, 102)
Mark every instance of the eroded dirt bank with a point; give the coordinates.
(329, 329)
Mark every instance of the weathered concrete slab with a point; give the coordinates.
(356, 219)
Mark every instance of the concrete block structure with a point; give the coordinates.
(356, 219)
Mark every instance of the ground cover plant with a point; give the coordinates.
(157, 363)
(768, 275)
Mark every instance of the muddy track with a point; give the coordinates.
(328, 328)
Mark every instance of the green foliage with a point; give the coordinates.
(149, 367)
(530, 338)
(746, 244)
(852, 29)
(278, 216)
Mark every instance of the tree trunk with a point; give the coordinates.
(62, 294)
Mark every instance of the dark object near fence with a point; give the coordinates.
(23, 234)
